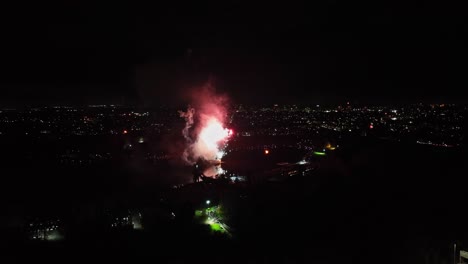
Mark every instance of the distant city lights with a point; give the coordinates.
(330, 147)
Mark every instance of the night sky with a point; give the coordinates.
(288, 52)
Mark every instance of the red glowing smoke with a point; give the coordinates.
(205, 130)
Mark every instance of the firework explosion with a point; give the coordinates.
(204, 131)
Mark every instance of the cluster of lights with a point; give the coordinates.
(45, 231)
(121, 222)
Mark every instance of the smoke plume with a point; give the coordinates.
(205, 132)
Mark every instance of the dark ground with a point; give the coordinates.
(370, 201)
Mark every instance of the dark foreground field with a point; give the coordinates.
(371, 201)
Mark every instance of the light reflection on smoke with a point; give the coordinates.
(204, 131)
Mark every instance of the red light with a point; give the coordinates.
(125, 131)
(267, 152)
(371, 126)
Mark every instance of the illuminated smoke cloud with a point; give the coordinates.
(204, 130)
(188, 116)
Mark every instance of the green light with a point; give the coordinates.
(212, 216)
(318, 153)
(216, 227)
(198, 213)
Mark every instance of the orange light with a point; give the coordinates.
(267, 152)
(125, 131)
